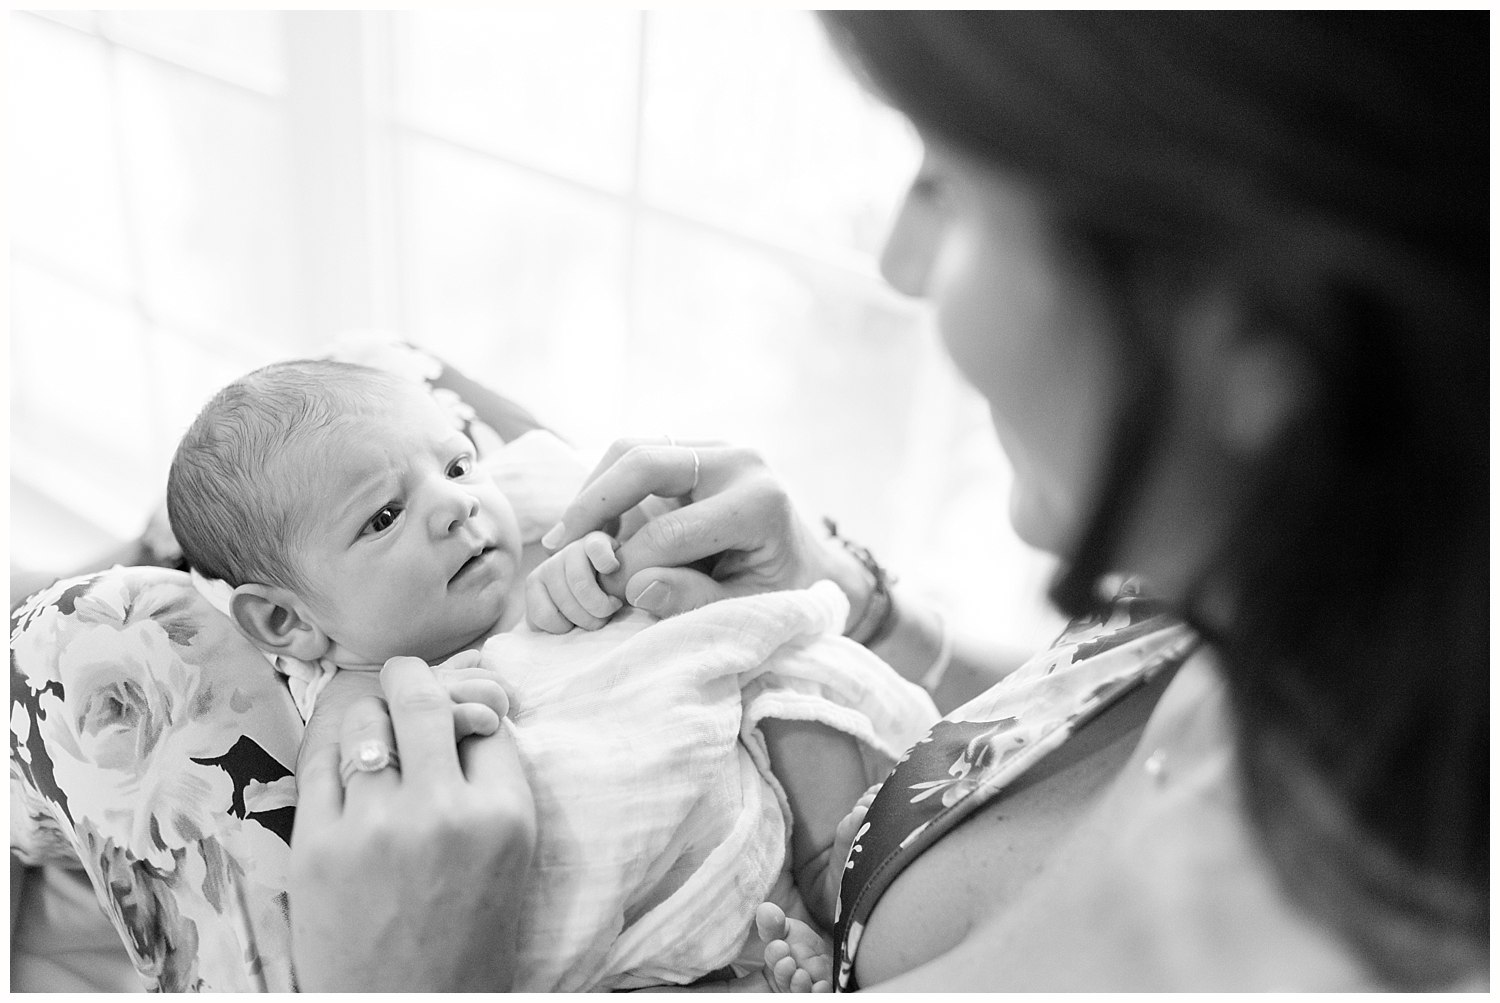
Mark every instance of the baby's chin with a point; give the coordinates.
(476, 641)
(431, 651)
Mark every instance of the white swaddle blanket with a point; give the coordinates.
(660, 827)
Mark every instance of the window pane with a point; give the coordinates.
(801, 361)
(209, 170)
(62, 153)
(551, 89)
(246, 46)
(519, 280)
(750, 120)
(80, 397)
(83, 20)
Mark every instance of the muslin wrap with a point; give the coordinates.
(660, 826)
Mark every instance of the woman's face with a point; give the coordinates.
(1024, 324)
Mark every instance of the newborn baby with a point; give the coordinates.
(351, 521)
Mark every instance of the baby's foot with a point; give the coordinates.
(797, 958)
(843, 841)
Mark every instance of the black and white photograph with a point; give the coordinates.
(746, 499)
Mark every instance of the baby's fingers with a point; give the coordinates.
(484, 691)
(600, 549)
(590, 605)
(474, 719)
(467, 659)
(541, 612)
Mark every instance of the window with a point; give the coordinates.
(633, 222)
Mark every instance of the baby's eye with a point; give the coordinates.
(383, 520)
(461, 467)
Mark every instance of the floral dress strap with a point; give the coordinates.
(975, 752)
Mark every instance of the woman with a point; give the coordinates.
(1223, 280)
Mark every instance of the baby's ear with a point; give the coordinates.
(272, 618)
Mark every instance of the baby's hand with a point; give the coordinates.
(479, 700)
(564, 591)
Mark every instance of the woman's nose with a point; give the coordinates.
(907, 257)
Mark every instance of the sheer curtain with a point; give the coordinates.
(633, 222)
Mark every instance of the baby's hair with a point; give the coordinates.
(225, 509)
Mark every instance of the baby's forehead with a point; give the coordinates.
(375, 430)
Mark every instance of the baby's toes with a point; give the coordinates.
(770, 922)
(782, 975)
(801, 982)
(819, 968)
(848, 827)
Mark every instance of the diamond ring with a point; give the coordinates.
(370, 756)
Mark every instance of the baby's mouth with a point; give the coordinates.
(469, 565)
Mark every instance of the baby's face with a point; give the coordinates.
(408, 549)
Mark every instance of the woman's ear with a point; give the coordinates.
(1265, 386)
(1247, 384)
(272, 617)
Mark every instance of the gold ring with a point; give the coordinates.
(695, 471)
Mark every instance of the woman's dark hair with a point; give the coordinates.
(1333, 170)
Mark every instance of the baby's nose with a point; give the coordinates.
(469, 510)
(460, 508)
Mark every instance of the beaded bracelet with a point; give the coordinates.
(878, 618)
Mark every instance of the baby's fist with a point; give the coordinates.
(564, 591)
(479, 700)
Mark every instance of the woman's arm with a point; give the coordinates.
(914, 646)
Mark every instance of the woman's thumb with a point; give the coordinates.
(669, 591)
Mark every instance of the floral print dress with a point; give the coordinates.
(974, 753)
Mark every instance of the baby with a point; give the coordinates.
(353, 522)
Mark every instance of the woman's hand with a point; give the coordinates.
(412, 878)
(736, 531)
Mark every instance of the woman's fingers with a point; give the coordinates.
(670, 591)
(366, 723)
(735, 531)
(421, 714)
(749, 519)
(416, 887)
(630, 472)
(320, 792)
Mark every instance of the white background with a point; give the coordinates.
(632, 223)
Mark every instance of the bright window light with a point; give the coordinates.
(634, 222)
